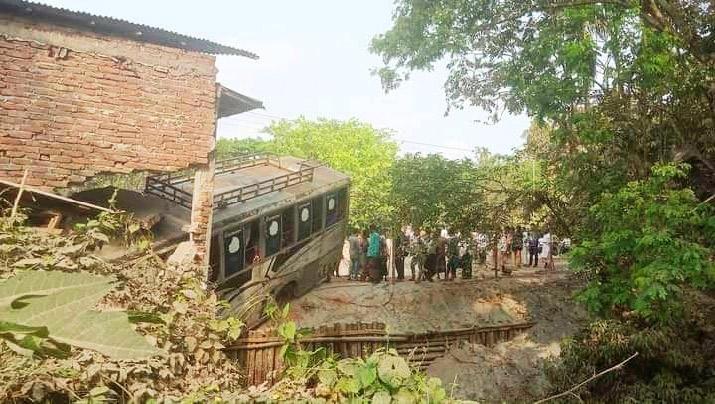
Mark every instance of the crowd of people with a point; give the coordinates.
(439, 254)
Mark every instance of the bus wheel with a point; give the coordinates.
(286, 294)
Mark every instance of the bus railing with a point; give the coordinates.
(238, 163)
(163, 188)
(251, 191)
(166, 186)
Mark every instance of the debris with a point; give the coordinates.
(183, 256)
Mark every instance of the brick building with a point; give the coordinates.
(85, 96)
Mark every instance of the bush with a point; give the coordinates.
(648, 255)
(674, 365)
(648, 242)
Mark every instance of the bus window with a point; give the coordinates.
(331, 207)
(233, 253)
(305, 222)
(273, 235)
(288, 220)
(317, 214)
(342, 203)
(253, 253)
(214, 259)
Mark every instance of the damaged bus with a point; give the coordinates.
(279, 224)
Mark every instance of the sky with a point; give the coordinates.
(314, 62)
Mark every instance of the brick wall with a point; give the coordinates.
(74, 105)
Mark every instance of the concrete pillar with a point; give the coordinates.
(202, 210)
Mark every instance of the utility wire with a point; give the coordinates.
(435, 145)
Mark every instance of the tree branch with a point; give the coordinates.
(596, 376)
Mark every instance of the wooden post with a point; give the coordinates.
(19, 194)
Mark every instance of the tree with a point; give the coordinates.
(620, 82)
(624, 91)
(432, 191)
(541, 56)
(486, 193)
(352, 147)
(226, 148)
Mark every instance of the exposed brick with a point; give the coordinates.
(70, 119)
(90, 114)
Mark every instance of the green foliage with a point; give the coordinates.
(59, 306)
(617, 89)
(653, 239)
(355, 148)
(352, 147)
(486, 193)
(22, 247)
(381, 377)
(168, 306)
(227, 147)
(536, 55)
(300, 363)
(430, 191)
(674, 364)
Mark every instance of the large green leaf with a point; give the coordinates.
(107, 332)
(37, 283)
(63, 303)
(393, 370)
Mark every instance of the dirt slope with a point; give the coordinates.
(508, 371)
(512, 370)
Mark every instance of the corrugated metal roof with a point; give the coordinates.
(117, 27)
(231, 102)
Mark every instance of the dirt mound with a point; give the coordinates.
(510, 370)
(513, 370)
(406, 307)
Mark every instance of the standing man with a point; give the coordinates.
(414, 250)
(517, 243)
(441, 255)
(534, 250)
(465, 261)
(505, 250)
(354, 244)
(431, 258)
(373, 255)
(453, 258)
(364, 236)
(495, 245)
(419, 259)
(545, 248)
(384, 257)
(481, 244)
(398, 251)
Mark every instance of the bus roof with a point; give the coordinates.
(244, 187)
(323, 180)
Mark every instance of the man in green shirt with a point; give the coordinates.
(452, 257)
(373, 254)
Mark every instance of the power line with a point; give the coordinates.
(266, 115)
(435, 145)
(246, 118)
(246, 123)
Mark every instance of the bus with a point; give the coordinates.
(279, 225)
